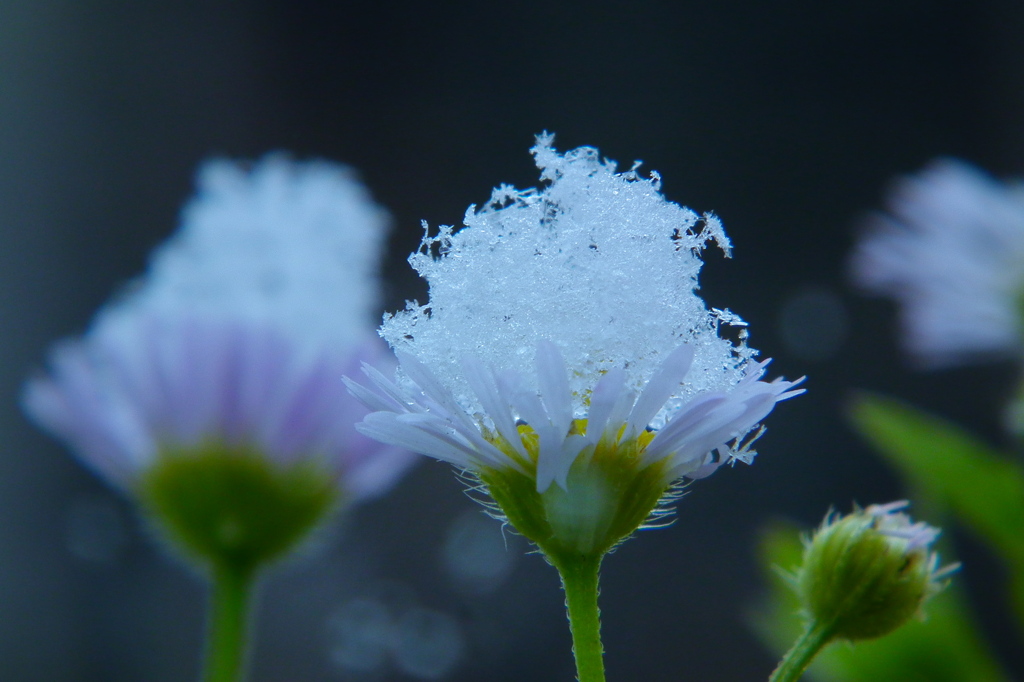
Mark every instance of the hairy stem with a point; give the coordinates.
(580, 581)
(806, 647)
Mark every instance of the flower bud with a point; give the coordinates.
(867, 573)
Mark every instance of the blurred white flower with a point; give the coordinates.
(238, 336)
(950, 250)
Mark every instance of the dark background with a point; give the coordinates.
(785, 118)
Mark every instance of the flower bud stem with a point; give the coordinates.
(580, 581)
(807, 646)
(227, 630)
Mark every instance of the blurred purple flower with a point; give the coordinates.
(239, 335)
(950, 250)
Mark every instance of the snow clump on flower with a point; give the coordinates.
(596, 262)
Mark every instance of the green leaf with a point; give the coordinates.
(984, 487)
(944, 648)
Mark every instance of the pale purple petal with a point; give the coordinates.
(175, 384)
(374, 469)
(106, 431)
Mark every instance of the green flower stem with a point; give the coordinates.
(580, 579)
(796, 660)
(230, 603)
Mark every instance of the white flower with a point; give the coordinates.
(951, 251)
(563, 335)
(238, 336)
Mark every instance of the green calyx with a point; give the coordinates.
(232, 508)
(859, 583)
(607, 496)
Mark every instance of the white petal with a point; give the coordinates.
(433, 389)
(523, 400)
(623, 406)
(670, 436)
(495, 406)
(556, 454)
(572, 448)
(375, 402)
(660, 387)
(554, 384)
(720, 425)
(386, 428)
(603, 399)
(388, 389)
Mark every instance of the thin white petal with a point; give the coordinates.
(623, 406)
(386, 428)
(495, 406)
(660, 387)
(523, 400)
(469, 438)
(375, 402)
(554, 384)
(711, 432)
(469, 442)
(388, 388)
(603, 399)
(556, 455)
(572, 447)
(677, 430)
(433, 389)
